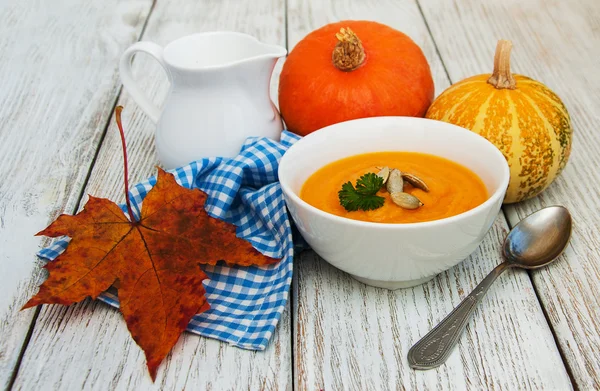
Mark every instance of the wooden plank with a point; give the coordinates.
(59, 83)
(351, 336)
(88, 343)
(556, 43)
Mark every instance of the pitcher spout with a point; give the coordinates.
(272, 51)
(265, 55)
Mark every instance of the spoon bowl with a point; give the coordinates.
(539, 238)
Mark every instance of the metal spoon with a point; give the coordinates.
(535, 242)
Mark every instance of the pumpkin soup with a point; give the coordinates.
(448, 188)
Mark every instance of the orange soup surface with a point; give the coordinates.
(453, 188)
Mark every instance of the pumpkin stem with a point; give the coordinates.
(502, 78)
(349, 53)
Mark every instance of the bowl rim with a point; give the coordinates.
(492, 199)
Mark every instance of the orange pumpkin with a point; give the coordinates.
(528, 123)
(353, 69)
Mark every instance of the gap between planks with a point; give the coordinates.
(292, 297)
(38, 309)
(13, 376)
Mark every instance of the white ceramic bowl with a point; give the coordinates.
(393, 255)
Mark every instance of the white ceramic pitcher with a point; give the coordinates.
(219, 94)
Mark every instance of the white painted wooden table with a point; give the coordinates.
(58, 87)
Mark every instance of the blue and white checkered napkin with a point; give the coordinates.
(246, 302)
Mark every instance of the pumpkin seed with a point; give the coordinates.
(384, 173)
(395, 183)
(415, 181)
(406, 201)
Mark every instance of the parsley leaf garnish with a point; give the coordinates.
(364, 196)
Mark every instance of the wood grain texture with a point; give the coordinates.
(59, 82)
(557, 43)
(88, 343)
(351, 336)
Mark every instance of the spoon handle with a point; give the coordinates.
(434, 348)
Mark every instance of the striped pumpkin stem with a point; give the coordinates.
(502, 78)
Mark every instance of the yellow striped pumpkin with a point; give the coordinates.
(528, 122)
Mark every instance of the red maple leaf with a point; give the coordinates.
(155, 260)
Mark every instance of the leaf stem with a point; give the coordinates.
(118, 111)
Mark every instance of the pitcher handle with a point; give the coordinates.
(129, 82)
